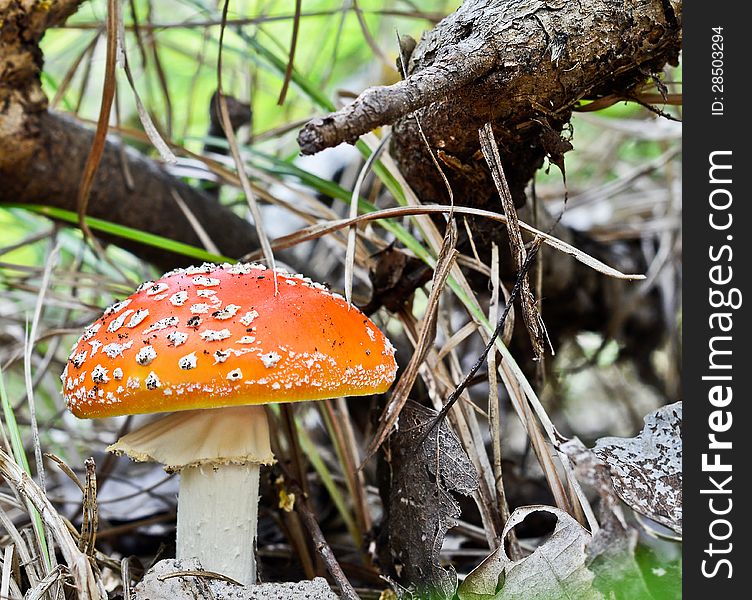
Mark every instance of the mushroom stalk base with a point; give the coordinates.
(217, 518)
(218, 453)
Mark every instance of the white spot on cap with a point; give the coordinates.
(192, 270)
(248, 317)
(240, 352)
(194, 321)
(206, 293)
(244, 268)
(188, 361)
(117, 307)
(227, 312)
(99, 374)
(234, 375)
(95, 346)
(117, 373)
(118, 322)
(270, 359)
(207, 281)
(138, 316)
(144, 285)
(199, 309)
(220, 356)
(176, 338)
(371, 334)
(114, 350)
(179, 298)
(246, 339)
(133, 383)
(211, 335)
(157, 288)
(146, 355)
(162, 324)
(79, 358)
(152, 381)
(91, 330)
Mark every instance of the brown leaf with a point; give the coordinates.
(420, 509)
(407, 379)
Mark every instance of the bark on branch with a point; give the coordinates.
(42, 154)
(385, 104)
(146, 202)
(520, 65)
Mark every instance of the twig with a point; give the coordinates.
(317, 231)
(204, 574)
(291, 59)
(90, 519)
(516, 246)
(494, 422)
(385, 104)
(100, 135)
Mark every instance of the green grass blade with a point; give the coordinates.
(122, 231)
(19, 455)
(311, 90)
(332, 189)
(14, 433)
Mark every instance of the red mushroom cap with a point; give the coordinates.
(213, 336)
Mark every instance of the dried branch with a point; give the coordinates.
(382, 105)
(489, 45)
(43, 156)
(52, 176)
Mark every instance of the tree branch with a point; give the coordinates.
(382, 105)
(522, 66)
(42, 155)
(52, 177)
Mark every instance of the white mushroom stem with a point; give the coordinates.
(217, 518)
(218, 453)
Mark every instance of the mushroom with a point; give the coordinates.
(210, 345)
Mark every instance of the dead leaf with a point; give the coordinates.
(556, 569)
(611, 551)
(646, 471)
(420, 509)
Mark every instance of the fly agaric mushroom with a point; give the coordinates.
(211, 344)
